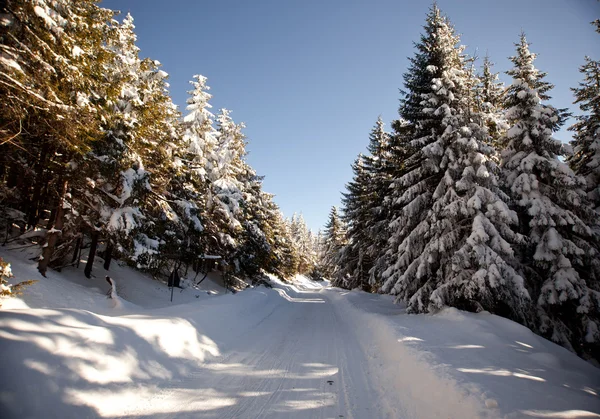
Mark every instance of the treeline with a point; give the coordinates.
(470, 202)
(93, 153)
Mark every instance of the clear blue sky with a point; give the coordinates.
(310, 77)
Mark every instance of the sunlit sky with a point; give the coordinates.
(310, 77)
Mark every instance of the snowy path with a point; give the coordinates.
(282, 353)
(300, 360)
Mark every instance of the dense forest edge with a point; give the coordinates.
(96, 158)
(469, 201)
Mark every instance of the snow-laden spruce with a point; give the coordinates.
(553, 212)
(489, 101)
(333, 241)
(454, 230)
(365, 212)
(199, 137)
(353, 260)
(586, 131)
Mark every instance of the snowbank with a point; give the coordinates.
(480, 365)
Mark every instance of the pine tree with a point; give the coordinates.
(412, 188)
(226, 171)
(199, 141)
(53, 75)
(354, 262)
(586, 131)
(394, 164)
(302, 239)
(453, 233)
(334, 240)
(489, 98)
(382, 163)
(552, 209)
(255, 242)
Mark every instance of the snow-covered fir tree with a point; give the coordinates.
(586, 131)
(365, 213)
(454, 244)
(255, 241)
(226, 169)
(119, 176)
(334, 239)
(391, 167)
(54, 96)
(199, 141)
(303, 241)
(353, 262)
(380, 166)
(489, 95)
(553, 211)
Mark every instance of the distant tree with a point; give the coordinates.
(334, 240)
(354, 262)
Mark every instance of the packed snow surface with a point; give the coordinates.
(300, 350)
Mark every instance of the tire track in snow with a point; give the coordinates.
(280, 367)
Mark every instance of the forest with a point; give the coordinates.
(468, 201)
(96, 156)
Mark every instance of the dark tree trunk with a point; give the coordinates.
(90, 262)
(108, 255)
(34, 203)
(54, 232)
(13, 175)
(52, 217)
(80, 250)
(76, 251)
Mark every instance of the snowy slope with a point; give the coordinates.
(507, 368)
(297, 351)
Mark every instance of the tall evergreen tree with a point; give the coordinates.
(552, 209)
(54, 56)
(454, 246)
(586, 131)
(226, 173)
(489, 100)
(354, 262)
(366, 213)
(254, 250)
(382, 163)
(392, 165)
(334, 240)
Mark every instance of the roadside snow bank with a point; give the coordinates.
(424, 389)
(71, 289)
(74, 359)
(459, 364)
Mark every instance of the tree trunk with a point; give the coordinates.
(54, 232)
(34, 203)
(108, 255)
(13, 175)
(52, 217)
(76, 252)
(90, 262)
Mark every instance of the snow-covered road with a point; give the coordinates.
(281, 353)
(299, 360)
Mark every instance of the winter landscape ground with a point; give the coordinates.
(301, 350)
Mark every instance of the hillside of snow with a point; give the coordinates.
(300, 350)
